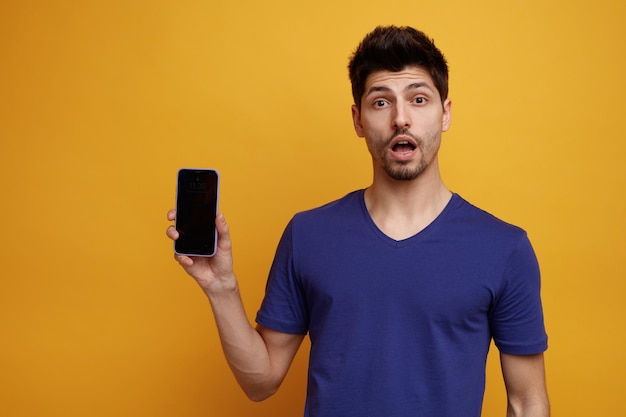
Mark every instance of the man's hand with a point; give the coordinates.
(213, 274)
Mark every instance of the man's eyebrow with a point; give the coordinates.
(415, 86)
(378, 89)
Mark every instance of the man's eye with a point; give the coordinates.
(420, 100)
(380, 103)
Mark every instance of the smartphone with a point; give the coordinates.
(197, 194)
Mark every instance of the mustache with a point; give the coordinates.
(405, 132)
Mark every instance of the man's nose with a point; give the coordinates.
(401, 116)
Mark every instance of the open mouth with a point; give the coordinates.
(403, 146)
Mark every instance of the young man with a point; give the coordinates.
(402, 286)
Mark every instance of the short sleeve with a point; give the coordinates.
(284, 306)
(516, 319)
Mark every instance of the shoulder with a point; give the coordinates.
(346, 206)
(467, 223)
(318, 226)
(467, 214)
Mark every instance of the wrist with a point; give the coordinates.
(222, 288)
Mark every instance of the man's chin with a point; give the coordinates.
(404, 173)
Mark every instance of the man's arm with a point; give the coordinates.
(525, 381)
(259, 358)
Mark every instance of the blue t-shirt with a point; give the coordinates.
(402, 328)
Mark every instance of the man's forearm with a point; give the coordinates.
(244, 348)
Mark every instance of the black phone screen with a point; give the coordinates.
(196, 208)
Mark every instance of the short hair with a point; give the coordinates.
(393, 48)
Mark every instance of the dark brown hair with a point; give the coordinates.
(393, 48)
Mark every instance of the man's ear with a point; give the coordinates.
(447, 115)
(356, 120)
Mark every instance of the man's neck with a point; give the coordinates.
(402, 209)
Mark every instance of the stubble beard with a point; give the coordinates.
(403, 170)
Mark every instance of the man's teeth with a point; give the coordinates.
(404, 144)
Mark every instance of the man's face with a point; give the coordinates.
(402, 118)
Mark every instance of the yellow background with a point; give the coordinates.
(102, 101)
